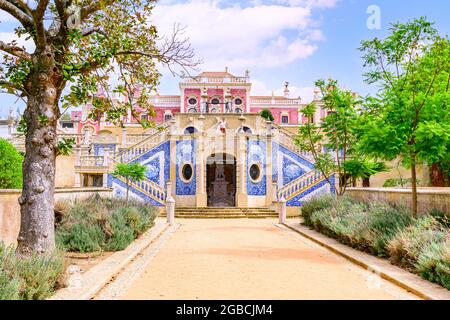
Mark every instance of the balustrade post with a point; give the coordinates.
(78, 156)
(170, 210)
(168, 189)
(282, 210)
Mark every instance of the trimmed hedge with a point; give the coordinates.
(101, 224)
(419, 245)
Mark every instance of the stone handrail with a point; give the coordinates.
(300, 184)
(142, 147)
(286, 139)
(149, 188)
(92, 161)
(136, 150)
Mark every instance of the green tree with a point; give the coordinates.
(409, 118)
(78, 46)
(360, 168)
(131, 172)
(335, 133)
(10, 166)
(267, 114)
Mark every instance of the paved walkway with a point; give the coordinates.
(251, 259)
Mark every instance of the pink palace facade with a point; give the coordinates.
(210, 92)
(222, 92)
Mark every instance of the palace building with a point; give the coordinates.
(210, 149)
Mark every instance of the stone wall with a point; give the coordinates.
(428, 198)
(10, 209)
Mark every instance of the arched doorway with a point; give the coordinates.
(221, 180)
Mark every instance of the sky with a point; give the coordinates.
(298, 41)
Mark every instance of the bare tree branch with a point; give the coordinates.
(24, 18)
(15, 51)
(38, 15)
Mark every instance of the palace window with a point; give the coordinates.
(238, 110)
(190, 130)
(187, 172)
(144, 117)
(192, 101)
(255, 172)
(167, 117)
(192, 110)
(238, 101)
(285, 119)
(215, 101)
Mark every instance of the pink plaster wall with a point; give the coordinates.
(189, 93)
(240, 93)
(160, 113)
(293, 114)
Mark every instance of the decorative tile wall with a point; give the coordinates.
(120, 191)
(322, 187)
(157, 161)
(186, 150)
(99, 149)
(257, 153)
(287, 165)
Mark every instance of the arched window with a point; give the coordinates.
(168, 117)
(190, 130)
(238, 110)
(192, 110)
(215, 101)
(192, 101)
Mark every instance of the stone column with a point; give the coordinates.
(241, 157)
(105, 180)
(201, 195)
(124, 138)
(78, 180)
(269, 165)
(106, 157)
(78, 156)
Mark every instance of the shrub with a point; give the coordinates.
(34, 278)
(420, 245)
(99, 223)
(405, 248)
(316, 204)
(10, 166)
(433, 262)
(385, 223)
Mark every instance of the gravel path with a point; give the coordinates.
(249, 259)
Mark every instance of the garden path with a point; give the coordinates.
(251, 259)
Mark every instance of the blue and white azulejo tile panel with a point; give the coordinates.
(257, 154)
(186, 154)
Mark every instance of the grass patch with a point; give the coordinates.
(419, 245)
(34, 278)
(101, 224)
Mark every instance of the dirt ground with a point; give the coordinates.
(252, 259)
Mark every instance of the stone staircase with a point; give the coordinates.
(223, 213)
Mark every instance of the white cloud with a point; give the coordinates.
(259, 35)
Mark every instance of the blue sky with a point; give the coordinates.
(298, 41)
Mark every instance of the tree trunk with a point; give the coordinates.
(437, 176)
(366, 182)
(37, 200)
(414, 185)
